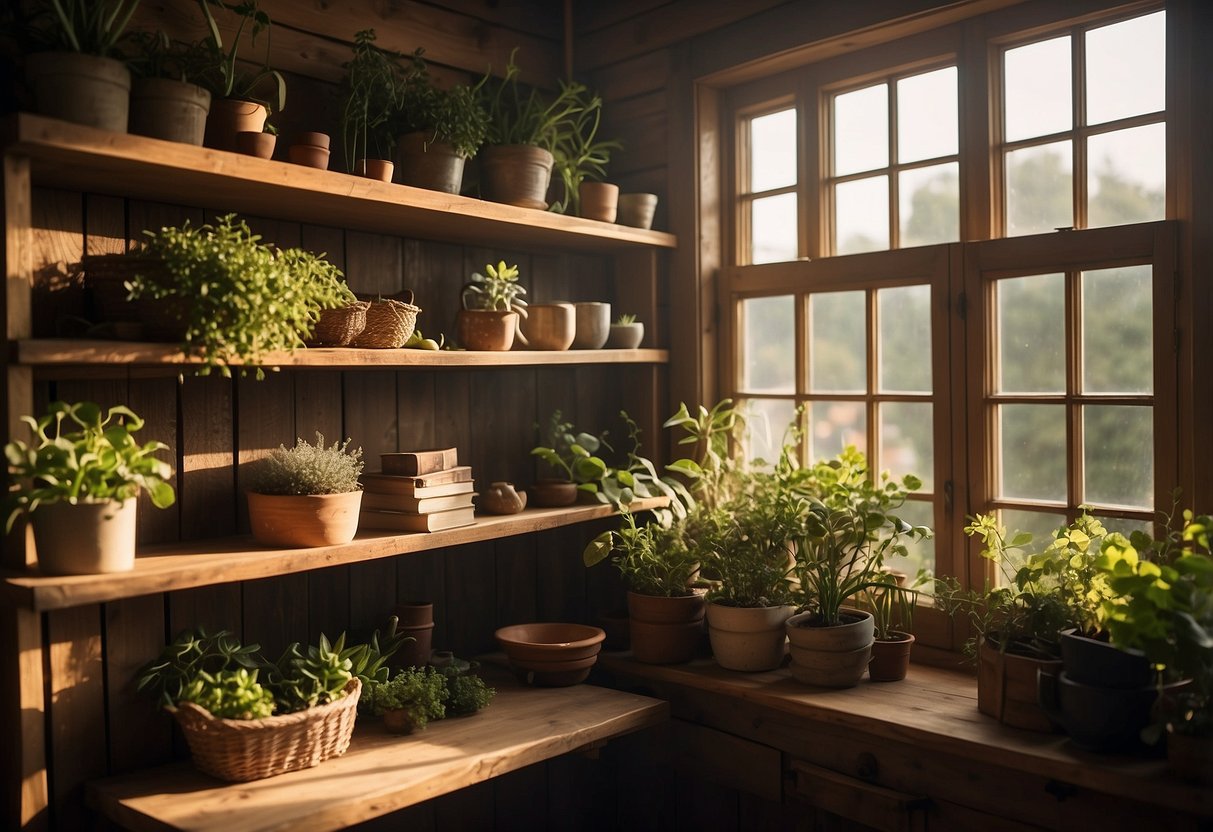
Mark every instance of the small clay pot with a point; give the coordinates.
(310, 155)
(228, 118)
(302, 521)
(502, 498)
(400, 721)
(553, 493)
(549, 326)
(891, 659)
(415, 619)
(380, 169)
(489, 330)
(599, 201)
(637, 210)
(625, 336)
(314, 139)
(593, 325)
(425, 163)
(260, 145)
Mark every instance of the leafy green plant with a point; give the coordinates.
(420, 692)
(307, 469)
(527, 117)
(712, 434)
(78, 454)
(497, 289)
(572, 453)
(305, 678)
(326, 283)
(466, 693)
(579, 154)
(453, 116)
(653, 560)
(230, 694)
(625, 319)
(156, 55)
(373, 87)
(892, 605)
(190, 655)
(223, 76)
(745, 546)
(369, 661)
(90, 27)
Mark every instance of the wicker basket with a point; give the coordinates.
(251, 749)
(337, 327)
(389, 323)
(105, 277)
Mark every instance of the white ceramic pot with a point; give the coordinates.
(85, 538)
(835, 657)
(748, 638)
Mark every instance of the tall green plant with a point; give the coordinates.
(518, 116)
(90, 27)
(579, 154)
(373, 86)
(224, 78)
(653, 560)
(453, 116)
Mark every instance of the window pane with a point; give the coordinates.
(861, 130)
(1127, 176)
(768, 346)
(1126, 68)
(766, 427)
(907, 441)
(929, 203)
(1126, 526)
(1118, 455)
(1039, 189)
(1117, 331)
(1036, 89)
(904, 342)
(926, 115)
(773, 229)
(837, 343)
(773, 151)
(861, 215)
(920, 554)
(1032, 452)
(1039, 524)
(833, 426)
(1031, 314)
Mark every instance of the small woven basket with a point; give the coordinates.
(389, 323)
(337, 327)
(105, 277)
(251, 749)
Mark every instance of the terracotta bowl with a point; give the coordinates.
(550, 642)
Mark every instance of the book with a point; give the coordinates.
(419, 505)
(419, 463)
(398, 490)
(400, 484)
(401, 521)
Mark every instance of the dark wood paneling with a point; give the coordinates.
(139, 734)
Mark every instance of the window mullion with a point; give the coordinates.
(1078, 97)
(1074, 410)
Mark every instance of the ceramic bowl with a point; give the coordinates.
(551, 654)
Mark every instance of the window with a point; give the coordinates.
(771, 201)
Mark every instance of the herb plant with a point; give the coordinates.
(497, 290)
(466, 693)
(230, 694)
(223, 77)
(527, 117)
(90, 27)
(453, 116)
(307, 469)
(156, 55)
(78, 454)
(579, 155)
(746, 548)
(652, 559)
(420, 692)
(373, 87)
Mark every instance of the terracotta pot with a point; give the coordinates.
(625, 336)
(84, 89)
(599, 201)
(593, 325)
(313, 138)
(378, 169)
(290, 521)
(665, 630)
(502, 498)
(171, 110)
(891, 659)
(516, 174)
(553, 493)
(426, 164)
(1190, 757)
(260, 145)
(835, 657)
(748, 638)
(1007, 688)
(551, 654)
(549, 326)
(401, 721)
(416, 619)
(309, 156)
(637, 210)
(482, 329)
(230, 116)
(86, 538)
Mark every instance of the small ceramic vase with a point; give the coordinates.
(549, 326)
(637, 210)
(380, 169)
(310, 150)
(625, 336)
(502, 498)
(593, 325)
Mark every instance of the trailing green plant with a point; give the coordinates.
(326, 283)
(189, 656)
(453, 116)
(311, 676)
(496, 290)
(230, 694)
(373, 87)
(653, 559)
(466, 693)
(625, 319)
(78, 454)
(90, 27)
(223, 76)
(578, 153)
(517, 116)
(307, 469)
(420, 692)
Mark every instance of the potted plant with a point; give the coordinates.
(307, 495)
(439, 130)
(626, 333)
(411, 699)
(166, 103)
(524, 130)
(840, 546)
(892, 606)
(238, 104)
(373, 85)
(79, 481)
(492, 304)
(74, 67)
(581, 160)
(572, 455)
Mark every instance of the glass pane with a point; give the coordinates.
(861, 130)
(904, 342)
(926, 115)
(768, 347)
(1126, 526)
(1126, 68)
(1036, 89)
(1118, 455)
(1039, 195)
(1127, 176)
(1118, 331)
(766, 429)
(929, 203)
(920, 554)
(861, 215)
(907, 441)
(773, 151)
(1031, 334)
(773, 229)
(833, 426)
(838, 343)
(1040, 524)
(1032, 452)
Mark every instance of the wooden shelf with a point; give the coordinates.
(47, 352)
(226, 560)
(83, 158)
(383, 772)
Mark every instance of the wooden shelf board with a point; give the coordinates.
(41, 352)
(383, 772)
(198, 563)
(84, 158)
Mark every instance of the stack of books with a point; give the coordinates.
(418, 491)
